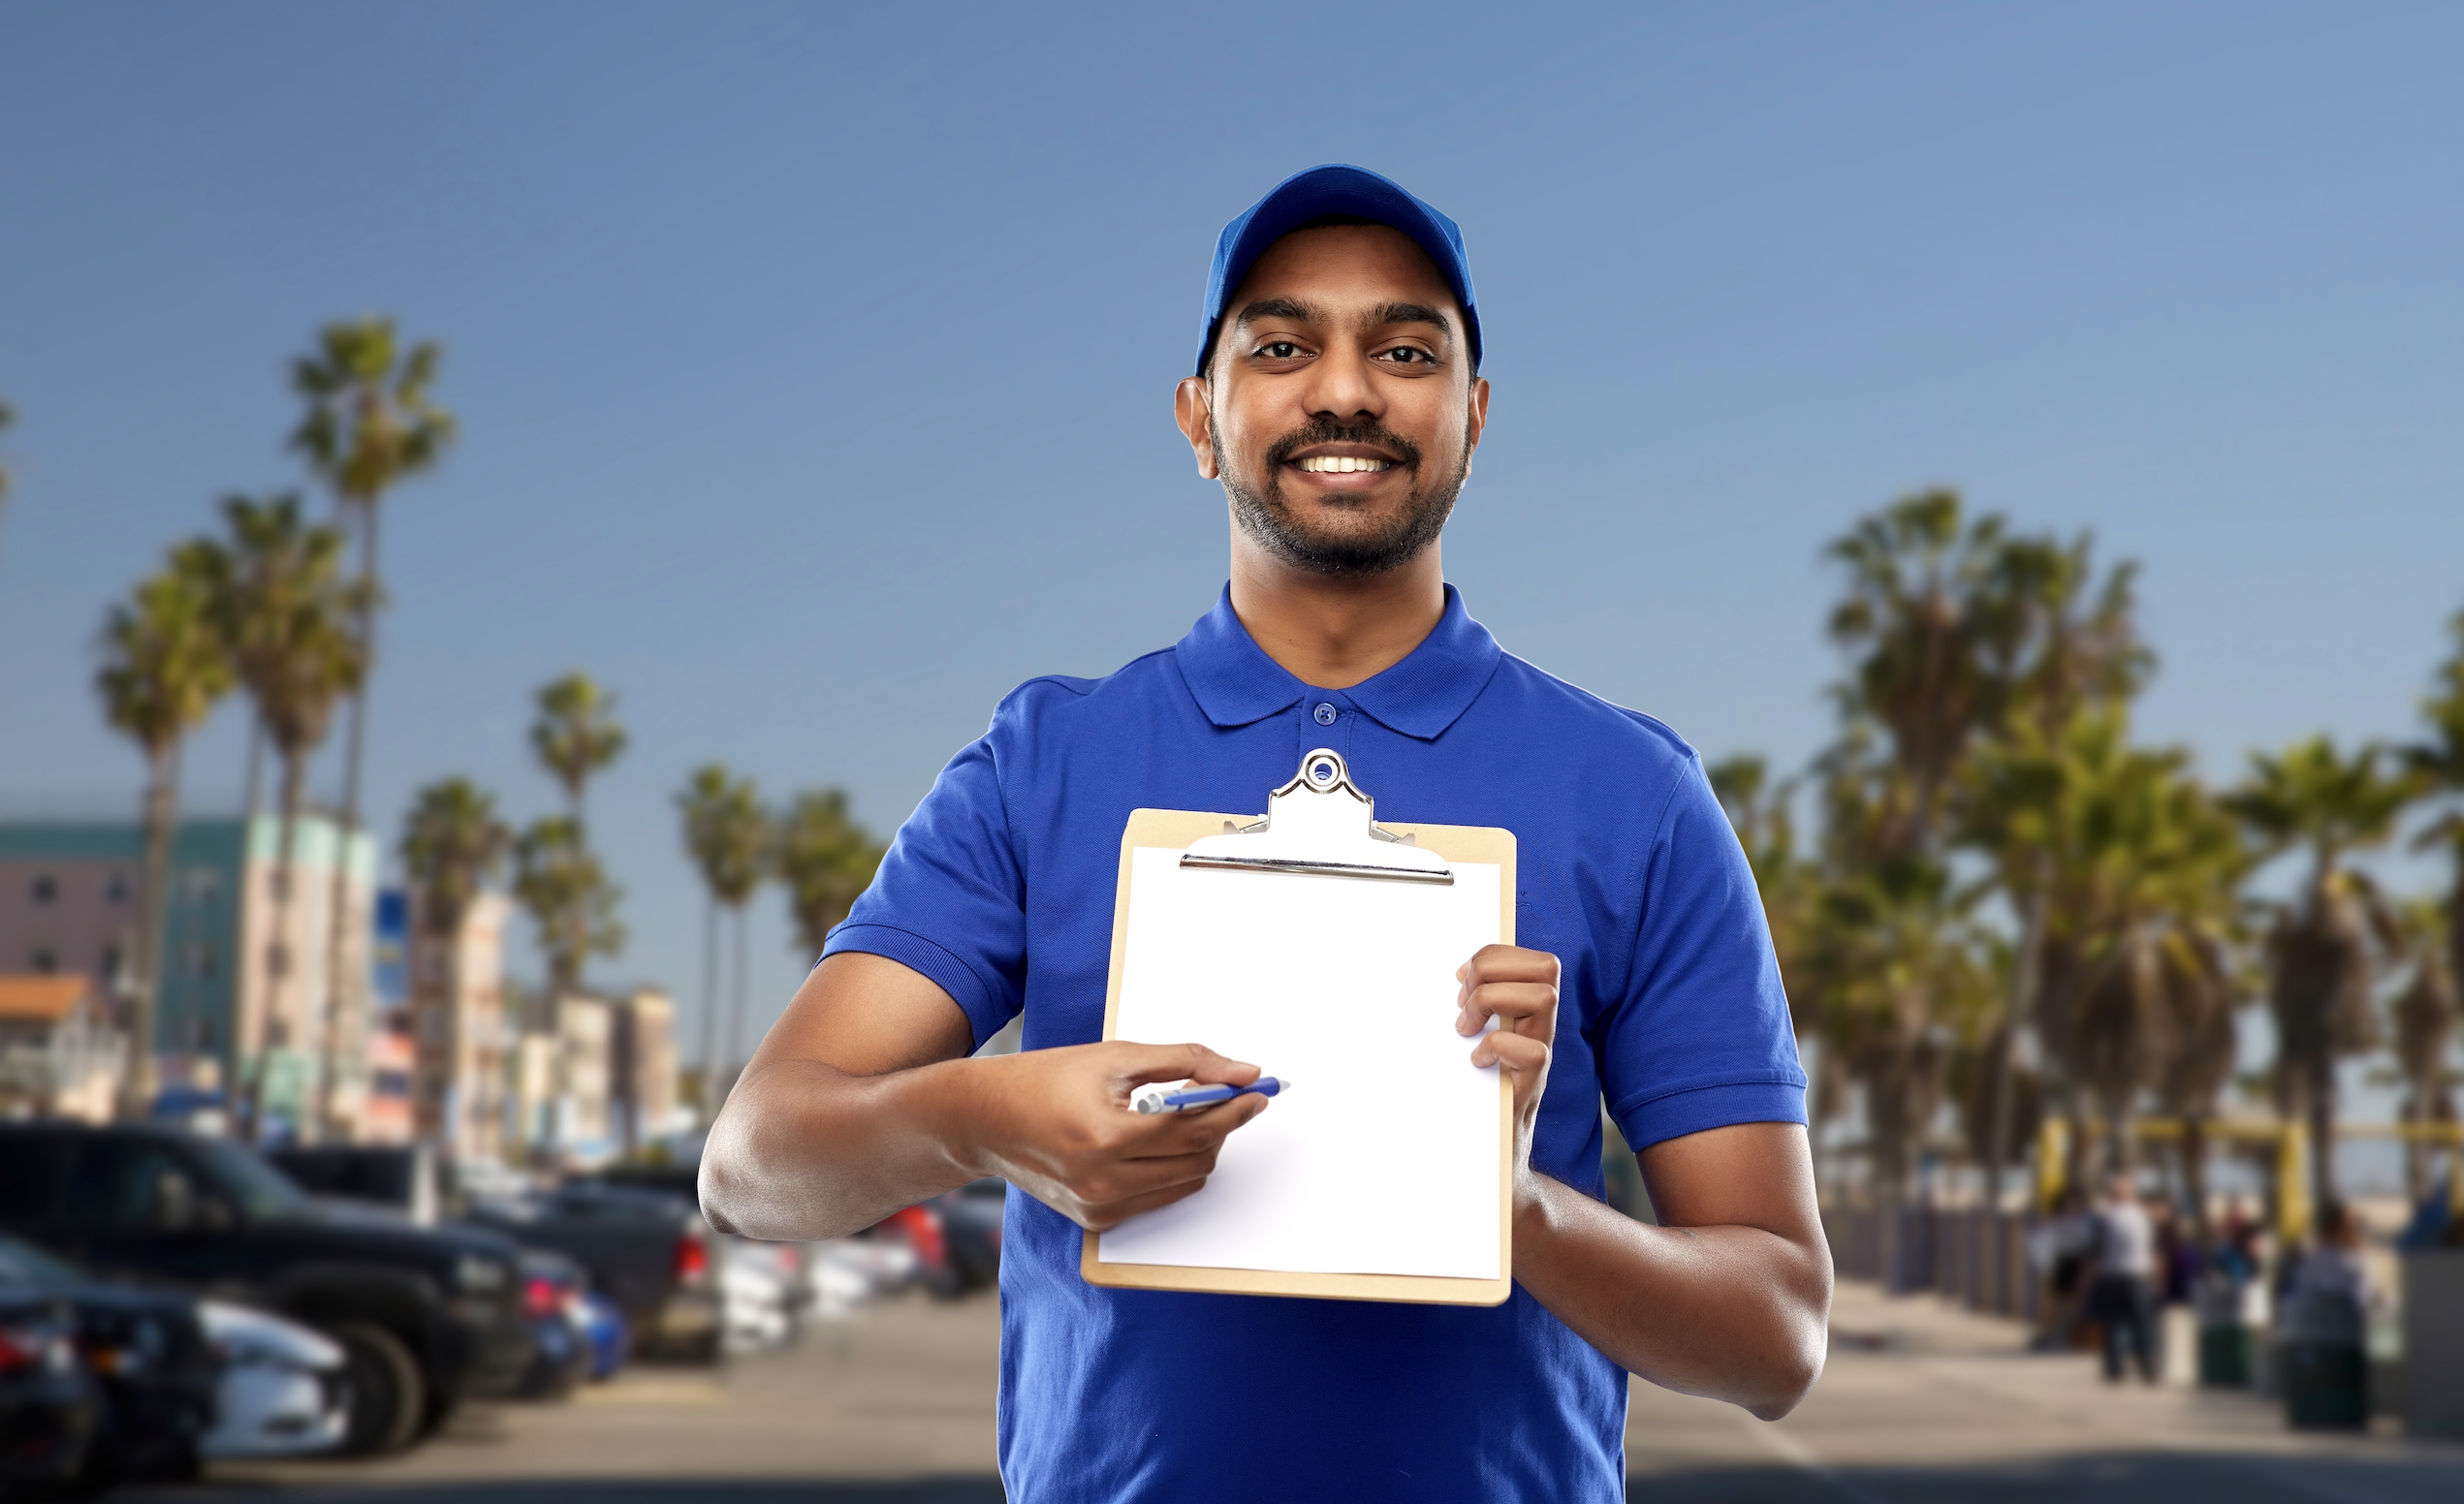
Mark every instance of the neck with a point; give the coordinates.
(1332, 632)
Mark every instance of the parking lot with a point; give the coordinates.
(1920, 1405)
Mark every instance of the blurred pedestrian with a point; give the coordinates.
(2336, 1269)
(2177, 1256)
(2058, 1249)
(2120, 1296)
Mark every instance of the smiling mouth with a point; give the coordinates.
(1339, 464)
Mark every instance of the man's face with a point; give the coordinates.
(1340, 412)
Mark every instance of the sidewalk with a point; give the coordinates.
(1924, 1401)
(1922, 1404)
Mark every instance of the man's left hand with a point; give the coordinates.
(1517, 987)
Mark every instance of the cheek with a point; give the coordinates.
(1437, 423)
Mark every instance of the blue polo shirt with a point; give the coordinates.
(1000, 887)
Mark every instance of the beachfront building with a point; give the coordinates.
(60, 1057)
(452, 1009)
(243, 997)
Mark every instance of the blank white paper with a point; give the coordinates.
(1384, 1159)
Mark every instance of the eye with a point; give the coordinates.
(1281, 350)
(1407, 355)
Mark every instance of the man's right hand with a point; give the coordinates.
(864, 1099)
(1057, 1123)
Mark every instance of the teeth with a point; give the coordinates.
(1342, 464)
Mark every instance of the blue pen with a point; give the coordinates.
(1162, 1099)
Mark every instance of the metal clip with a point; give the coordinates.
(1319, 823)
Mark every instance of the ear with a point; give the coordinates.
(1476, 417)
(1192, 409)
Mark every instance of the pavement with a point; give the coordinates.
(1922, 1404)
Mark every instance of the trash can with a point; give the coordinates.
(2229, 1318)
(2434, 1342)
(2224, 1355)
(2326, 1364)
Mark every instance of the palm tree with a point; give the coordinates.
(163, 666)
(1903, 982)
(2438, 762)
(576, 734)
(1917, 620)
(727, 831)
(2314, 797)
(286, 615)
(2132, 870)
(369, 426)
(2054, 643)
(2425, 1027)
(452, 844)
(827, 860)
(567, 894)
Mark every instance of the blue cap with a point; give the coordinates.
(1337, 188)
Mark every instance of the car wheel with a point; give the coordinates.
(389, 1397)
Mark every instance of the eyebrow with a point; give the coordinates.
(1414, 313)
(1390, 313)
(1280, 308)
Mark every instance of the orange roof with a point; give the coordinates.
(49, 998)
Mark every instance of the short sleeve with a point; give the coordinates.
(1701, 1038)
(950, 900)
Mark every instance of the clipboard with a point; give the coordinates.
(1320, 845)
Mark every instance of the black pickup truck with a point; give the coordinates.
(427, 1315)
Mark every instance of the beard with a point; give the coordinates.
(1270, 522)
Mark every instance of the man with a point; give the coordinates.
(2121, 1297)
(1336, 397)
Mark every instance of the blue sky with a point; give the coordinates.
(814, 364)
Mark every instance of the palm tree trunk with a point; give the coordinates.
(2023, 1004)
(710, 1011)
(2322, 1133)
(354, 758)
(162, 801)
(252, 797)
(2194, 1173)
(736, 1003)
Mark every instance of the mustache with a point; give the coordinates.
(1335, 431)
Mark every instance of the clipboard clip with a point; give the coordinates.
(1319, 824)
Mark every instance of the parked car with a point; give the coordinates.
(609, 1334)
(551, 1287)
(401, 1177)
(846, 1273)
(679, 1179)
(972, 1231)
(50, 1405)
(650, 1254)
(424, 1316)
(154, 1370)
(762, 1287)
(285, 1389)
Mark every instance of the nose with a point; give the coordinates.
(1340, 386)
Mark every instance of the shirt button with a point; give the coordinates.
(1326, 713)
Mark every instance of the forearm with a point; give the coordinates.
(804, 1150)
(1732, 1312)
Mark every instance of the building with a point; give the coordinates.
(645, 1066)
(59, 1054)
(452, 1006)
(388, 1113)
(233, 991)
(598, 1081)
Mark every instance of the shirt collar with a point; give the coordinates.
(1235, 682)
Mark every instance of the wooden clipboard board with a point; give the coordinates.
(1178, 830)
